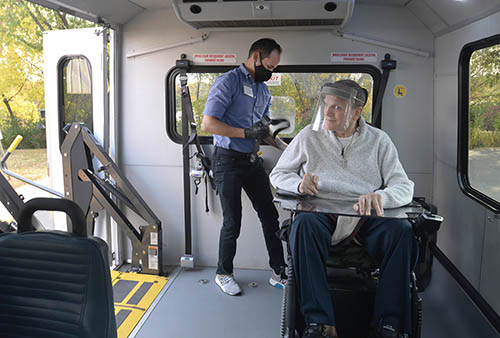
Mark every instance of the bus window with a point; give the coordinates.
(480, 117)
(293, 89)
(75, 92)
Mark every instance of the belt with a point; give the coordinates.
(231, 153)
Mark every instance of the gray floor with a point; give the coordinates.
(189, 309)
(449, 313)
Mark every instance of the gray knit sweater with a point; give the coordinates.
(369, 163)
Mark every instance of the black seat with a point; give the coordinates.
(55, 284)
(351, 255)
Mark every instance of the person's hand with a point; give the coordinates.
(257, 131)
(309, 185)
(368, 202)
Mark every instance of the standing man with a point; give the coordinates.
(237, 102)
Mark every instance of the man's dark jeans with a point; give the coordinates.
(232, 172)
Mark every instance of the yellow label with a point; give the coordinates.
(399, 91)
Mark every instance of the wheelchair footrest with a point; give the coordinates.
(353, 297)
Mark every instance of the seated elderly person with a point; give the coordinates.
(340, 156)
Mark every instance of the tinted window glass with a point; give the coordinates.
(76, 92)
(484, 121)
(294, 96)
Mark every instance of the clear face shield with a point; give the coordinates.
(334, 109)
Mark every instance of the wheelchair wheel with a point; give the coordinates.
(292, 322)
(416, 309)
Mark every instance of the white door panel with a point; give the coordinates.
(89, 44)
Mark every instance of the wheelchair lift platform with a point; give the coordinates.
(133, 295)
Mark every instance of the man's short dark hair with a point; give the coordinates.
(360, 93)
(265, 47)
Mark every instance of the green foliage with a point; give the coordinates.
(484, 98)
(22, 24)
(296, 95)
(33, 134)
(78, 108)
(479, 138)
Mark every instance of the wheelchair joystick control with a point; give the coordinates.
(427, 224)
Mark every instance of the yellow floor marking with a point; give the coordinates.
(136, 310)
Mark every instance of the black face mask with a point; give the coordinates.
(261, 73)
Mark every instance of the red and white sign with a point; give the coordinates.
(353, 57)
(219, 59)
(275, 80)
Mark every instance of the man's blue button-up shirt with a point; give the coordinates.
(232, 103)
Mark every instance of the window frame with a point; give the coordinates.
(170, 122)
(463, 123)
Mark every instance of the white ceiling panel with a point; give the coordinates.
(427, 15)
(456, 11)
(440, 16)
(111, 11)
(393, 3)
(153, 4)
(443, 16)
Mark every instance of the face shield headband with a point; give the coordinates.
(334, 108)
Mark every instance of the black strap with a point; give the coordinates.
(387, 65)
(186, 103)
(197, 182)
(206, 195)
(187, 108)
(380, 95)
(188, 118)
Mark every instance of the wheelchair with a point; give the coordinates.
(353, 278)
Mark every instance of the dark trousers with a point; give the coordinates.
(389, 241)
(232, 172)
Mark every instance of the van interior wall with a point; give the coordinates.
(153, 163)
(469, 236)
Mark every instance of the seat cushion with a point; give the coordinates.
(350, 255)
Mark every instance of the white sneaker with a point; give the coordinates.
(277, 280)
(227, 284)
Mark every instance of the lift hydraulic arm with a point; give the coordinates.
(94, 192)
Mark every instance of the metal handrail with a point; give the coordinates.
(4, 169)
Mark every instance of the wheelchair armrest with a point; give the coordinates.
(284, 230)
(427, 223)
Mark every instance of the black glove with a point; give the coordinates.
(257, 131)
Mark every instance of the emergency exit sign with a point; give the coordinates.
(215, 58)
(275, 80)
(353, 57)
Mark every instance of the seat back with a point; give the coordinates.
(55, 284)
